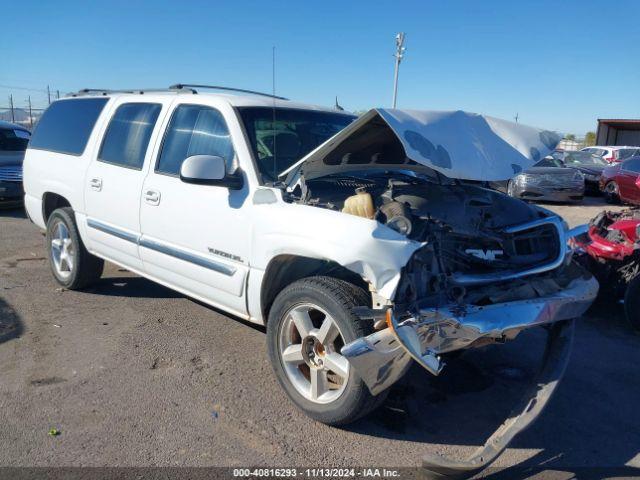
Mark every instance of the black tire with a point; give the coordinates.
(612, 193)
(338, 298)
(86, 268)
(632, 304)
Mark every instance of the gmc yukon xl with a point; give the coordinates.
(363, 244)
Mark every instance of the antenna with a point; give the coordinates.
(337, 105)
(273, 125)
(399, 54)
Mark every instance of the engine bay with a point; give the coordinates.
(461, 226)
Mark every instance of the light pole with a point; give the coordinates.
(399, 54)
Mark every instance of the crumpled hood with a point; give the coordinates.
(457, 144)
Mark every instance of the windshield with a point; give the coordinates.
(13, 140)
(583, 158)
(279, 144)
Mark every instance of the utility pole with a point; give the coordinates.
(48, 94)
(58, 94)
(30, 113)
(13, 116)
(399, 54)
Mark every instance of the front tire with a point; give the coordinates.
(309, 322)
(612, 193)
(72, 265)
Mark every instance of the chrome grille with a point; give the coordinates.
(11, 173)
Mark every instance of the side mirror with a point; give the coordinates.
(209, 170)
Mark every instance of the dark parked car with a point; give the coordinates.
(621, 182)
(13, 143)
(545, 182)
(591, 166)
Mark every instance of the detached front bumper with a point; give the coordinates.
(384, 356)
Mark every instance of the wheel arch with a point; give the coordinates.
(284, 269)
(52, 201)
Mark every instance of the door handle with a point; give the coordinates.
(96, 184)
(152, 197)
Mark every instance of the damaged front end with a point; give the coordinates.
(485, 266)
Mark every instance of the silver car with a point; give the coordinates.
(544, 183)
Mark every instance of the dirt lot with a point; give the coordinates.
(133, 374)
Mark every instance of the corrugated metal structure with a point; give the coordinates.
(618, 131)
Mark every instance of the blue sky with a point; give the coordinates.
(558, 64)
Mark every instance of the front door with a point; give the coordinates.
(114, 180)
(196, 238)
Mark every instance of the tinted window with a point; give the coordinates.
(66, 125)
(128, 134)
(13, 140)
(625, 153)
(632, 165)
(195, 130)
(282, 136)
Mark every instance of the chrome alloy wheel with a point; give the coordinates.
(62, 250)
(309, 346)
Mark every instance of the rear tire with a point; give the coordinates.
(612, 193)
(341, 396)
(72, 265)
(632, 304)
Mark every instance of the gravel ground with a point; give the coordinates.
(133, 374)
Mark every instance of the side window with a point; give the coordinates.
(127, 137)
(195, 130)
(66, 125)
(632, 165)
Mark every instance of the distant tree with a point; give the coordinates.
(570, 136)
(590, 139)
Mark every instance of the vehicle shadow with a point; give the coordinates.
(591, 422)
(12, 212)
(134, 286)
(10, 323)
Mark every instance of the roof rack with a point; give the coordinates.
(177, 88)
(180, 86)
(106, 91)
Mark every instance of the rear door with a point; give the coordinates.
(114, 179)
(627, 180)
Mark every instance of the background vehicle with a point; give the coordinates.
(590, 165)
(13, 143)
(621, 182)
(352, 240)
(611, 250)
(612, 154)
(545, 181)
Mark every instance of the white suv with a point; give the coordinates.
(613, 154)
(350, 239)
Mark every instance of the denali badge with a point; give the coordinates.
(489, 255)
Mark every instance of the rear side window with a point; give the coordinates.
(127, 138)
(632, 165)
(66, 125)
(13, 140)
(195, 130)
(625, 153)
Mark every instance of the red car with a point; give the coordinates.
(610, 249)
(621, 182)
